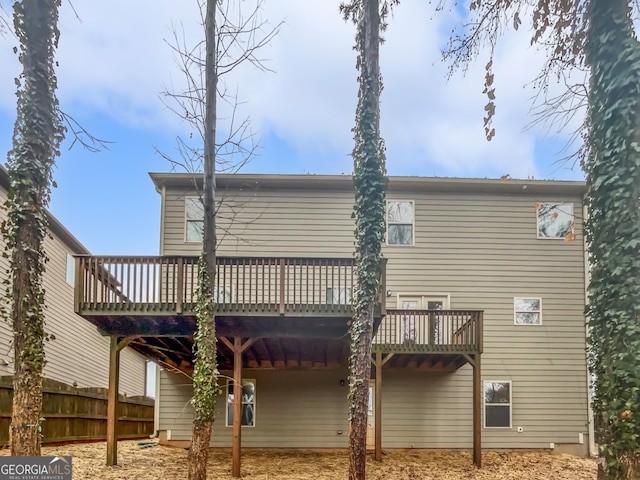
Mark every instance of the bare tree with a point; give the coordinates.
(231, 39)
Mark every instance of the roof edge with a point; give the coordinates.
(342, 182)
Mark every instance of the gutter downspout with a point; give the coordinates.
(163, 195)
(590, 419)
(156, 407)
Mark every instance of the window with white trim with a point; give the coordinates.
(71, 270)
(338, 295)
(223, 294)
(194, 219)
(497, 404)
(527, 311)
(422, 328)
(555, 220)
(248, 415)
(400, 222)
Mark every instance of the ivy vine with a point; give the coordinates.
(37, 135)
(613, 234)
(205, 382)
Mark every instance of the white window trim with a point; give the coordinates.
(413, 223)
(515, 312)
(538, 204)
(187, 220)
(226, 403)
(425, 297)
(344, 293)
(409, 321)
(484, 404)
(70, 273)
(224, 292)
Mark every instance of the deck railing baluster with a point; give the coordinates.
(255, 285)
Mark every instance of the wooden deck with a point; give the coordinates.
(297, 310)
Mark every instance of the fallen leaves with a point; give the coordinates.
(156, 462)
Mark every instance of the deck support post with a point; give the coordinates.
(477, 407)
(378, 407)
(237, 406)
(378, 362)
(237, 347)
(112, 400)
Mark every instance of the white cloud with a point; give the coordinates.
(114, 60)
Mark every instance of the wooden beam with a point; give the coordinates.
(226, 342)
(112, 399)
(247, 344)
(237, 406)
(387, 358)
(379, 362)
(477, 405)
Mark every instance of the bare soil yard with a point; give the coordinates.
(159, 462)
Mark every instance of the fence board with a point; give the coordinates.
(79, 414)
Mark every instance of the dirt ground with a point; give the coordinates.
(159, 462)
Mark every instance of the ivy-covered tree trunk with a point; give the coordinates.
(205, 376)
(369, 181)
(36, 139)
(613, 233)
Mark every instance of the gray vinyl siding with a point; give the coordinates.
(293, 409)
(479, 248)
(78, 353)
(307, 409)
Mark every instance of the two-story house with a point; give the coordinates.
(480, 332)
(78, 352)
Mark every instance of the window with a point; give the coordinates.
(223, 294)
(338, 295)
(400, 222)
(194, 215)
(497, 404)
(527, 311)
(248, 403)
(555, 220)
(150, 379)
(71, 270)
(428, 328)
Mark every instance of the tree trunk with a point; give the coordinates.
(613, 229)
(205, 369)
(36, 139)
(199, 451)
(360, 373)
(369, 182)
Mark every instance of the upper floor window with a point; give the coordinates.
(338, 295)
(527, 311)
(71, 270)
(555, 220)
(194, 217)
(400, 222)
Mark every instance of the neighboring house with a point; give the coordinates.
(77, 354)
(476, 269)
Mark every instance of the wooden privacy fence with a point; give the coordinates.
(262, 285)
(79, 414)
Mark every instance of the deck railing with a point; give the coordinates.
(260, 285)
(430, 330)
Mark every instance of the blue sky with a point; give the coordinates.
(113, 65)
